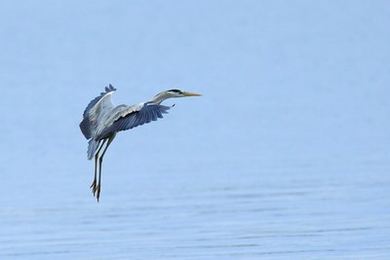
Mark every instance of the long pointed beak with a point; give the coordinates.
(189, 94)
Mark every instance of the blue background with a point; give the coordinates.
(286, 154)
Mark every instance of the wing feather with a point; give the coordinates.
(155, 115)
(135, 117)
(159, 114)
(148, 117)
(94, 111)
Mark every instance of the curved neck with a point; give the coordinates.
(160, 97)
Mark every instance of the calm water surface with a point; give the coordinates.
(295, 212)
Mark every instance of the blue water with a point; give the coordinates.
(208, 213)
(285, 156)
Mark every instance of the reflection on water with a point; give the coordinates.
(281, 214)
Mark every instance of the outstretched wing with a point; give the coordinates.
(134, 117)
(95, 109)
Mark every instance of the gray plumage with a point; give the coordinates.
(101, 121)
(95, 110)
(143, 114)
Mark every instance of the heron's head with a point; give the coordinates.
(172, 93)
(181, 93)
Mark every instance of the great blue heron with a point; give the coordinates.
(101, 121)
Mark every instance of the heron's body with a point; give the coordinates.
(102, 120)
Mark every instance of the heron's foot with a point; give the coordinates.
(97, 192)
(93, 187)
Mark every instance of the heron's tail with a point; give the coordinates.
(92, 146)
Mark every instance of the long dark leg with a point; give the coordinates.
(93, 185)
(98, 187)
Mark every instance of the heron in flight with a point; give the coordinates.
(102, 120)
